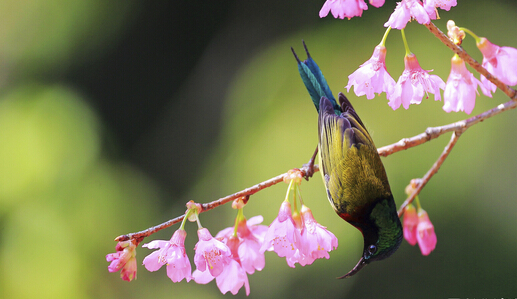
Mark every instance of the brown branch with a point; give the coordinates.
(511, 93)
(434, 132)
(139, 236)
(430, 133)
(434, 169)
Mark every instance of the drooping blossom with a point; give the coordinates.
(124, 259)
(431, 5)
(372, 77)
(461, 88)
(405, 11)
(211, 254)
(413, 83)
(251, 236)
(498, 61)
(316, 241)
(282, 235)
(377, 3)
(172, 253)
(425, 233)
(343, 8)
(233, 277)
(410, 223)
(320, 241)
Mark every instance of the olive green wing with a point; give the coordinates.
(350, 165)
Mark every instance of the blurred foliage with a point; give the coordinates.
(65, 193)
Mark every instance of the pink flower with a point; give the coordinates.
(319, 240)
(413, 83)
(233, 277)
(316, 241)
(171, 253)
(461, 88)
(251, 236)
(425, 233)
(500, 62)
(282, 234)
(124, 259)
(410, 223)
(249, 250)
(405, 10)
(431, 5)
(210, 253)
(343, 8)
(372, 77)
(377, 3)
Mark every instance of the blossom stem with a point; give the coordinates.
(293, 186)
(187, 214)
(288, 190)
(299, 194)
(385, 36)
(510, 92)
(238, 219)
(418, 206)
(434, 169)
(406, 46)
(477, 38)
(199, 226)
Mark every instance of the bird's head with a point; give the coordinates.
(382, 234)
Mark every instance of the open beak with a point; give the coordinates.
(356, 269)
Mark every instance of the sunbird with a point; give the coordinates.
(352, 170)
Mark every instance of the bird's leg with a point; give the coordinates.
(310, 165)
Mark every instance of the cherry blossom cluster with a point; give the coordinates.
(460, 90)
(417, 227)
(235, 251)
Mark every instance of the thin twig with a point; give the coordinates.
(431, 133)
(139, 236)
(434, 169)
(434, 132)
(511, 93)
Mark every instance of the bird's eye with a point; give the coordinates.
(372, 249)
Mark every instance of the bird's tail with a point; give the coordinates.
(315, 82)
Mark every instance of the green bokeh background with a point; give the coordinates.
(70, 181)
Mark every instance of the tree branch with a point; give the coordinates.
(430, 133)
(434, 169)
(511, 93)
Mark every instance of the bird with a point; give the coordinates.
(353, 174)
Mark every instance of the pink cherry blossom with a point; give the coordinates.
(172, 253)
(299, 257)
(233, 277)
(377, 3)
(500, 62)
(343, 8)
(425, 233)
(319, 240)
(410, 223)
(431, 5)
(211, 253)
(249, 250)
(251, 236)
(405, 11)
(372, 77)
(413, 83)
(316, 241)
(124, 259)
(282, 235)
(461, 88)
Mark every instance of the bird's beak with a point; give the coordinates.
(356, 269)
